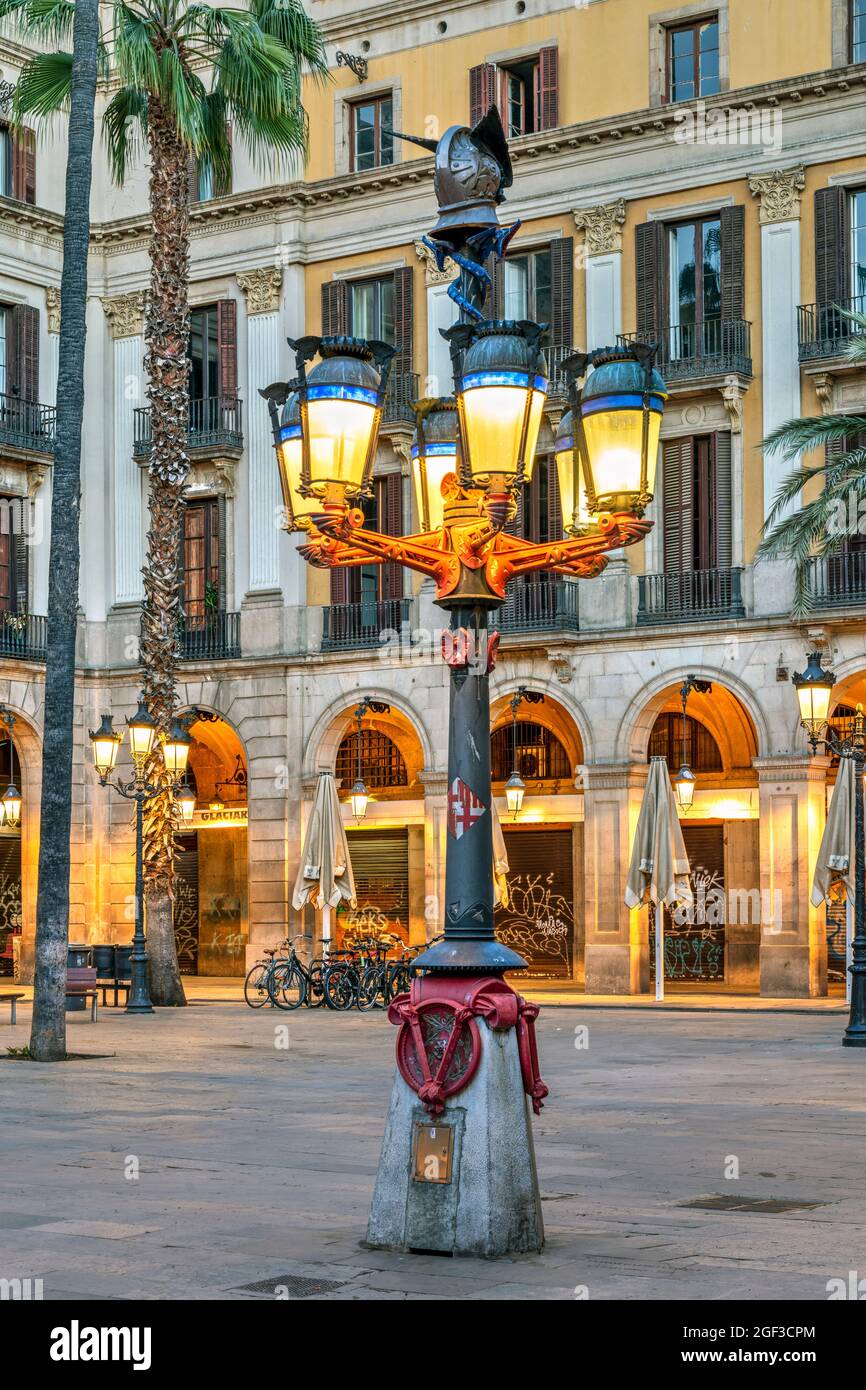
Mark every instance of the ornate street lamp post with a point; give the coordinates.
(814, 688)
(105, 744)
(471, 456)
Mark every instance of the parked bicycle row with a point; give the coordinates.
(365, 975)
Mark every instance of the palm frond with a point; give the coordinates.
(48, 20)
(44, 87)
(288, 21)
(798, 437)
(124, 125)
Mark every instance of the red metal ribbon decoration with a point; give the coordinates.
(439, 1045)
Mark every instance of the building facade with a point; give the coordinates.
(695, 175)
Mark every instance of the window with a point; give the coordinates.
(858, 31)
(527, 287)
(537, 754)
(696, 503)
(5, 162)
(526, 91)
(371, 308)
(858, 238)
(666, 741)
(204, 381)
(693, 60)
(382, 762)
(695, 284)
(370, 139)
(202, 567)
(519, 98)
(370, 585)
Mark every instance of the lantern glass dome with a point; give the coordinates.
(175, 749)
(434, 456)
(685, 785)
(105, 742)
(572, 492)
(358, 798)
(814, 687)
(514, 790)
(11, 802)
(291, 456)
(142, 732)
(185, 798)
(621, 414)
(339, 410)
(501, 393)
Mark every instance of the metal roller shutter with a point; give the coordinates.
(380, 863)
(695, 950)
(539, 922)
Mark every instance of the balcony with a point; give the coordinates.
(838, 580)
(690, 596)
(211, 637)
(27, 425)
(557, 385)
(539, 606)
(691, 353)
(361, 626)
(23, 635)
(401, 392)
(823, 330)
(215, 423)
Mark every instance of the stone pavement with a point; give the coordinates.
(255, 1162)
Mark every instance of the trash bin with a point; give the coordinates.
(103, 959)
(78, 954)
(122, 959)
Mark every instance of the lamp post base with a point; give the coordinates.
(462, 1182)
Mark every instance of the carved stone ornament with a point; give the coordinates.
(262, 289)
(825, 391)
(603, 227)
(732, 395)
(52, 308)
(779, 193)
(431, 274)
(125, 314)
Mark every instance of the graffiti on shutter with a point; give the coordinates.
(539, 921)
(185, 907)
(380, 865)
(694, 941)
(10, 898)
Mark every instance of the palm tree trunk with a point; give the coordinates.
(48, 1031)
(167, 335)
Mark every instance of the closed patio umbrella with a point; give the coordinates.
(500, 861)
(325, 876)
(835, 863)
(659, 869)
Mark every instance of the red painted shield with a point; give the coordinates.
(464, 808)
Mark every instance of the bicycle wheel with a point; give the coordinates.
(369, 987)
(315, 997)
(341, 987)
(400, 981)
(256, 986)
(286, 986)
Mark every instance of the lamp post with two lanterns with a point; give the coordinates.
(472, 456)
(105, 744)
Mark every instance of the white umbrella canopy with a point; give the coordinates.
(659, 869)
(500, 860)
(835, 861)
(325, 876)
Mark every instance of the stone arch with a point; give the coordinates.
(553, 714)
(27, 739)
(730, 713)
(403, 725)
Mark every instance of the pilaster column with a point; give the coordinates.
(262, 290)
(435, 830)
(617, 950)
(602, 254)
(792, 805)
(779, 195)
(125, 316)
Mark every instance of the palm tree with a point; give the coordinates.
(184, 72)
(50, 21)
(817, 527)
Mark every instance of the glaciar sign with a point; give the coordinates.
(77, 1343)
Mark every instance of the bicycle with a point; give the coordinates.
(385, 978)
(291, 983)
(256, 991)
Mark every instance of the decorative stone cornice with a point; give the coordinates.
(432, 275)
(603, 227)
(262, 288)
(732, 396)
(52, 308)
(824, 384)
(779, 193)
(125, 314)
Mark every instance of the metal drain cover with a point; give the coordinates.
(771, 1206)
(295, 1285)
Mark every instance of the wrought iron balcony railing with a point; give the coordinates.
(541, 605)
(23, 635)
(214, 422)
(211, 636)
(27, 424)
(557, 384)
(401, 392)
(836, 580)
(358, 626)
(690, 595)
(714, 348)
(823, 329)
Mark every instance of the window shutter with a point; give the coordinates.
(831, 246)
(494, 300)
(482, 91)
(339, 586)
(677, 507)
(516, 527)
(733, 222)
(404, 319)
(193, 179)
(562, 292)
(650, 241)
(23, 352)
(20, 567)
(227, 346)
(391, 522)
(555, 520)
(223, 188)
(334, 315)
(723, 502)
(24, 166)
(221, 556)
(548, 83)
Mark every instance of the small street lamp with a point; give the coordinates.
(814, 687)
(515, 786)
(105, 744)
(685, 779)
(359, 796)
(10, 802)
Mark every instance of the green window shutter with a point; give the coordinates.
(832, 246)
(733, 223)
(723, 502)
(677, 505)
(404, 319)
(334, 308)
(650, 274)
(562, 292)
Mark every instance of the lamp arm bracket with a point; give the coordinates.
(584, 556)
